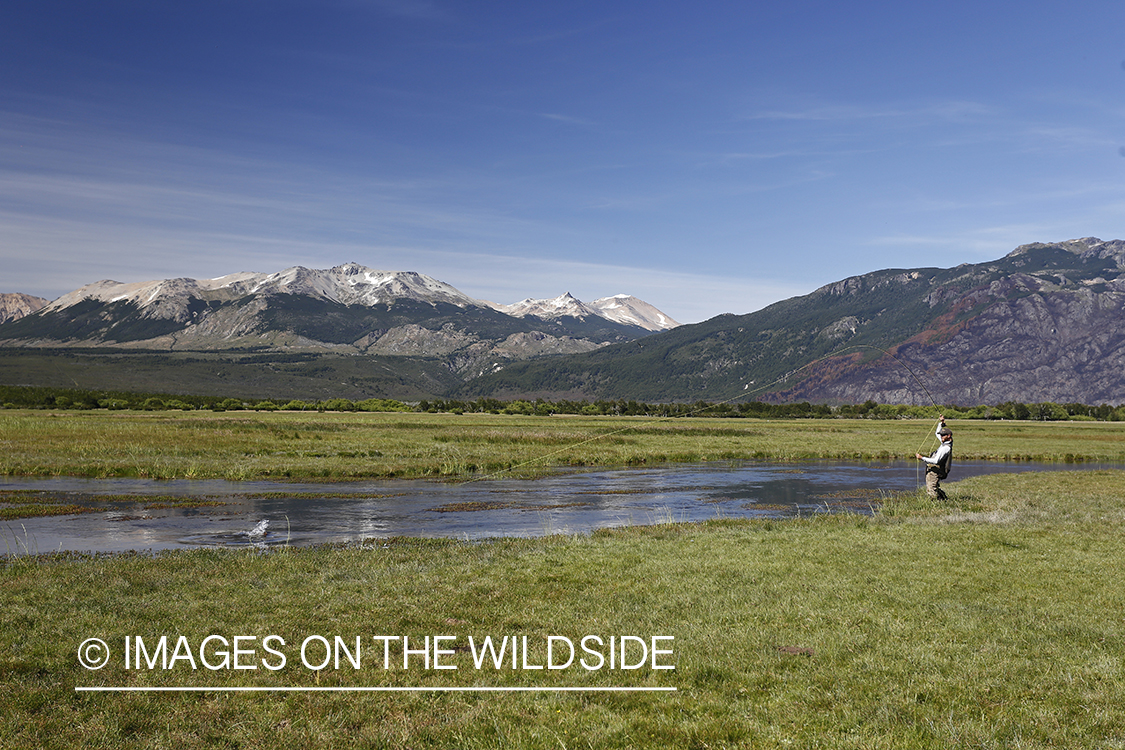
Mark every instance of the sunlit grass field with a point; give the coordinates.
(993, 620)
(339, 446)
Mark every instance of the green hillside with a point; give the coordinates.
(733, 354)
(247, 375)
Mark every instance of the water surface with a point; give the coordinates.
(269, 513)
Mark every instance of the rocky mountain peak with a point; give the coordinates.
(348, 308)
(1085, 248)
(16, 305)
(565, 305)
(348, 284)
(620, 308)
(625, 308)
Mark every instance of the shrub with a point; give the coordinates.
(296, 405)
(338, 404)
(381, 404)
(228, 404)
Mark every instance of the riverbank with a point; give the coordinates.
(129, 514)
(348, 446)
(993, 620)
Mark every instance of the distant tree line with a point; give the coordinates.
(804, 410)
(31, 397)
(27, 397)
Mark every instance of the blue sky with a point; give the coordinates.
(707, 157)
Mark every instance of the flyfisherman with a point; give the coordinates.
(937, 465)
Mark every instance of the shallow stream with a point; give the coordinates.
(241, 514)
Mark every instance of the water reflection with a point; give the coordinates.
(261, 514)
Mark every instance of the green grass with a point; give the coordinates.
(245, 375)
(16, 504)
(340, 446)
(996, 620)
(993, 620)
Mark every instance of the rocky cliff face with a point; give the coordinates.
(16, 305)
(1053, 330)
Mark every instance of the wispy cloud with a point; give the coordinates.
(986, 242)
(688, 297)
(830, 112)
(1074, 138)
(567, 119)
(92, 205)
(58, 256)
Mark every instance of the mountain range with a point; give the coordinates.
(349, 309)
(1044, 323)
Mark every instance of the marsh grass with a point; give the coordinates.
(342, 446)
(15, 504)
(21, 504)
(993, 620)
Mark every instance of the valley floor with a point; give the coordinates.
(994, 620)
(348, 445)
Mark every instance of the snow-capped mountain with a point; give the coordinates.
(621, 308)
(565, 305)
(629, 310)
(349, 309)
(349, 284)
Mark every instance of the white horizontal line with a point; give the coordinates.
(363, 689)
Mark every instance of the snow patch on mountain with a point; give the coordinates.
(349, 284)
(624, 308)
(621, 308)
(353, 284)
(565, 305)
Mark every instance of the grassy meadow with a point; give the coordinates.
(341, 446)
(993, 620)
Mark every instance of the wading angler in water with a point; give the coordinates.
(937, 465)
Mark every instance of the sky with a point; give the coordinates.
(707, 157)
